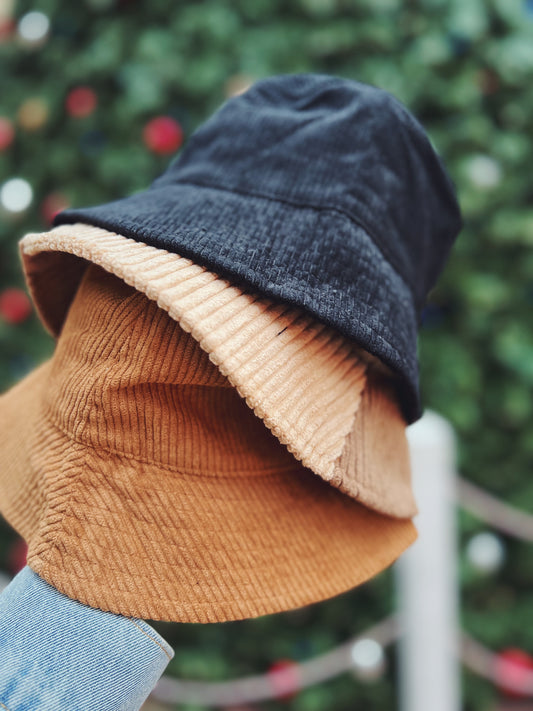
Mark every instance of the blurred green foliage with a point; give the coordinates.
(465, 68)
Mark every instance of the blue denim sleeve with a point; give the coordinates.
(57, 654)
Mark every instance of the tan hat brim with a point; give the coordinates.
(333, 413)
(284, 540)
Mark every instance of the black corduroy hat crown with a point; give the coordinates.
(316, 190)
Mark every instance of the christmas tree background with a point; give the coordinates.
(94, 105)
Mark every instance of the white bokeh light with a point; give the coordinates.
(16, 195)
(484, 172)
(368, 659)
(33, 26)
(486, 552)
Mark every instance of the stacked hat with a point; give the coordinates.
(283, 260)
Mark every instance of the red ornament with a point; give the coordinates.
(7, 133)
(513, 669)
(7, 29)
(284, 677)
(15, 305)
(81, 101)
(16, 557)
(52, 204)
(163, 134)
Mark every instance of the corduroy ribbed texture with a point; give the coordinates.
(314, 190)
(302, 378)
(146, 486)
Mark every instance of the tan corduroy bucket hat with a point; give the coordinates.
(137, 497)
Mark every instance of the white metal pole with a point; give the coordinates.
(427, 576)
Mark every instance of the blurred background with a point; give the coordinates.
(97, 96)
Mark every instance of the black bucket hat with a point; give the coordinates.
(316, 190)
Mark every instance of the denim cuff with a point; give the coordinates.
(57, 653)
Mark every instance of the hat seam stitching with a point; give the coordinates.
(51, 566)
(361, 488)
(167, 601)
(170, 467)
(319, 208)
